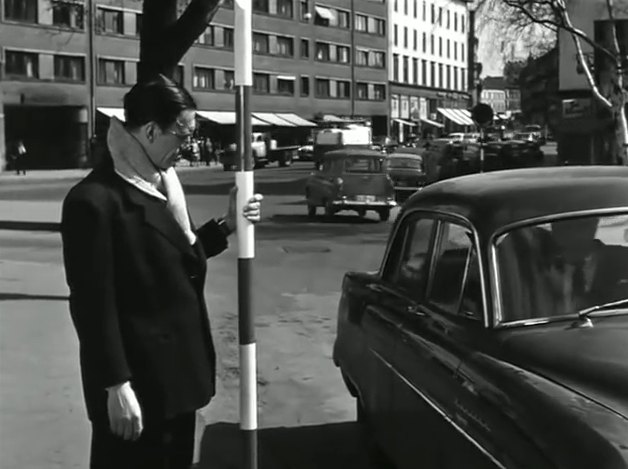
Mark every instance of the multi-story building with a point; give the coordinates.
(306, 56)
(586, 128)
(428, 55)
(494, 93)
(540, 103)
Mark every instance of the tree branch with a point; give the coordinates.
(585, 66)
(190, 25)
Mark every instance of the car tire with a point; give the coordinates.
(361, 212)
(311, 210)
(384, 215)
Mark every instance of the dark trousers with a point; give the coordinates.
(167, 445)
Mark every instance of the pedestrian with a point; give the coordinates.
(19, 158)
(135, 266)
(209, 151)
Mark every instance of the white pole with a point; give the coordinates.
(243, 58)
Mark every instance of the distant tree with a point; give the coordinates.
(169, 29)
(609, 86)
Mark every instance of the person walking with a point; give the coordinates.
(19, 157)
(135, 265)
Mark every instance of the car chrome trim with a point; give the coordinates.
(440, 411)
(390, 203)
(499, 322)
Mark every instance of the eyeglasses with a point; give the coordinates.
(183, 132)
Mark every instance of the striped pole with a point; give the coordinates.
(243, 56)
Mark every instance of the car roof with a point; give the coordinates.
(493, 200)
(416, 155)
(345, 152)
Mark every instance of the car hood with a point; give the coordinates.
(592, 361)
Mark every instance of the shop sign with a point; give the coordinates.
(576, 108)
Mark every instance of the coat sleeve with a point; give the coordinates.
(86, 230)
(212, 238)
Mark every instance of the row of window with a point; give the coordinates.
(442, 17)
(429, 73)
(71, 14)
(212, 79)
(113, 72)
(446, 48)
(283, 46)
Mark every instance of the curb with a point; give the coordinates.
(30, 226)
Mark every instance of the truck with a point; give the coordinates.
(264, 149)
(351, 136)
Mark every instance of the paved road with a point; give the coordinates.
(306, 414)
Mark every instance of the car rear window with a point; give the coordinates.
(409, 163)
(363, 165)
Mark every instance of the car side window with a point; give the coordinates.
(410, 271)
(456, 285)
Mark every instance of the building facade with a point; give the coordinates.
(586, 127)
(428, 65)
(540, 103)
(310, 59)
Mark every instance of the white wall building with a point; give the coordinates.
(428, 62)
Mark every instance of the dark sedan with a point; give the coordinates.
(405, 168)
(495, 333)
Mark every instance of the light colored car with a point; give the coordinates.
(456, 137)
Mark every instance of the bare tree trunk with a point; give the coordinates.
(166, 36)
(621, 135)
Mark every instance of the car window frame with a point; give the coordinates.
(438, 242)
(399, 243)
(438, 216)
(494, 266)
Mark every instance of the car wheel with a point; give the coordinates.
(311, 210)
(361, 212)
(384, 215)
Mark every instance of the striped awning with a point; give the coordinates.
(273, 119)
(295, 119)
(117, 112)
(457, 116)
(431, 122)
(226, 117)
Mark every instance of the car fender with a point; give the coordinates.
(571, 429)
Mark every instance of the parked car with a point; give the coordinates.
(456, 137)
(537, 133)
(475, 346)
(351, 179)
(306, 152)
(405, 168)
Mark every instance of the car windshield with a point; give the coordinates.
(401, 162)
(363, 164)
(558, 268)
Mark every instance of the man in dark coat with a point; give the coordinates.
(135, 266)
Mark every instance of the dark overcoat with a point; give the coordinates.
(136, 297)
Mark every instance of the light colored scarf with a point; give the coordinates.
(132, 163)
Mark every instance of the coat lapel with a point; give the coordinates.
(158, 217)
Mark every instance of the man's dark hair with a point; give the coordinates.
(159, 100)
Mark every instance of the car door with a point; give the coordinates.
(384, 306)
(319, 186)
(428, 356)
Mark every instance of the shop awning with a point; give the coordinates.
(431, 122)
(226, 117)
(332, 118)
(455, 115)
(273, 119)
(324, 13)
(117, 112)
(295, 119)
(405, 122)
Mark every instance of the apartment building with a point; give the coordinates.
(428, 53)
(316, 60)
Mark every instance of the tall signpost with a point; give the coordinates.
(246, 235)
(482, 115)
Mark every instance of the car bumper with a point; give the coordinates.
(364, 204)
